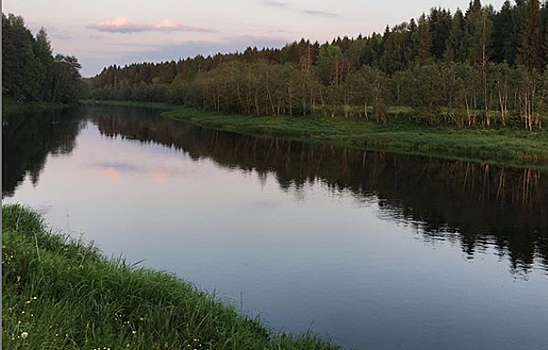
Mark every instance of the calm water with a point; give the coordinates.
(377, 250)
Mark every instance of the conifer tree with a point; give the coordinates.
(531, 41)
(424, 36)
(456, 43)
(505, 38)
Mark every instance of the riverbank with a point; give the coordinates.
(10, 106)
(495, 145)
(61, 294)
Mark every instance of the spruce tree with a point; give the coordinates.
(424, 36)
(531, 41)
(455, 50)
(440, 26)
(505, 42)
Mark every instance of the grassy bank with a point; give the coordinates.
(61, 294)
(494, 145)
(10, 106)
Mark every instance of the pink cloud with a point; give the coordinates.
(123, 25)
(118, 25)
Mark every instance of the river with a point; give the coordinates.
(375, 250)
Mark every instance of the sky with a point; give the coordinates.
(106, 32)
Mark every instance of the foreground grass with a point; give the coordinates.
(61, 294)
(10, 106)
(494, 145)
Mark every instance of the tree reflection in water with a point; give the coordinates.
(475, 205)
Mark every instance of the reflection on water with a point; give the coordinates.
(475, 204)
(337, 247)
(27, 140)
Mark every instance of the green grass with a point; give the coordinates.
(10, 106)
(508, 146)
(58, 293)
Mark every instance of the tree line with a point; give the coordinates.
(478, 67)
(30, 70)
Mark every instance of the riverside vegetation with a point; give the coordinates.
(514, 147)
(478, 68)
(59, 293)
(467, 85)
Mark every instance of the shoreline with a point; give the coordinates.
(61, 292)
(9, 106)
(505, 147)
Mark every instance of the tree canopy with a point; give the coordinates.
(474, 67)
(30, 71)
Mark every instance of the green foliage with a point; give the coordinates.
(479, 26)
(458, 94)
(479, 35)
(20, 68)
(371, 90)
(329, 64)
(424, 38)
(30, 73)
(505, 35)
(509, 146)
(61, 294)
(457, 70)
(67, 86)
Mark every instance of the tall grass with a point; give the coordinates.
(61, 294)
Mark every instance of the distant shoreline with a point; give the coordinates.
(506, 147)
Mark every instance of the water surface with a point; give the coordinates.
(379, 251)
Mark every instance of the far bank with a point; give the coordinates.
(513, 147)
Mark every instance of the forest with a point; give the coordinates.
(479, 67)
(31, 72)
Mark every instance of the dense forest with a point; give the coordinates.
(479, 67)
(30, 70)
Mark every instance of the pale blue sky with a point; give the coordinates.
(105, 32)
